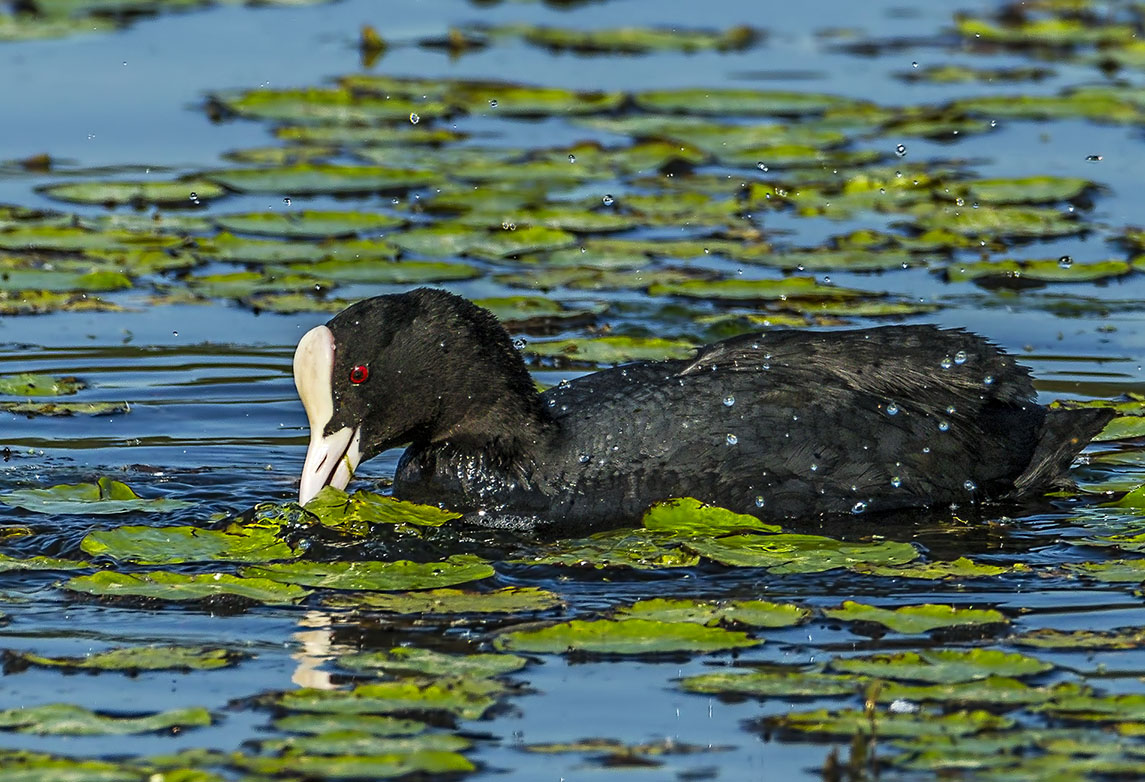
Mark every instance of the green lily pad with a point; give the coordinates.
(689, 518)
(627, 636)
(185, 192)
(173, 545)
(467, 698)
(105, 496)
(43, 302)
(1111, 571)
(960, 568)
(380, 576)
(384, 766)
(403, 135)
(754, 613)
(132, 659)
(635, 40)
(356, 512)
(742, 102)
(291, 303)
(443, 241)
(1041, 270)
(33, 409)
(28, 384)
(360, 745)
(1000, 222)
(754, 290)
(915, 618)
(237, 285)
(997, 692)
(1050, 31)
(411, 661)
(612, 349)
(819, 260)
(774, 684)
(9, 564)
(69, 239)
(161, 585)
(1026, 190)
(375, 725)
(1097, 105)
(536, 312)
(513, 100)
(637, 549)
(507, 600)
(943, 666)
(386, 272)
(314, 178)
(307, 224)
(329, 105)
(1097, 708)
(859, 722)
(797, 553)
(65, 719)
(282, 156)
(1082, 640)
(63, 279)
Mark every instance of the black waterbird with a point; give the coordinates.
(779, 424)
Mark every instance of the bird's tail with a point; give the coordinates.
(1063, 435)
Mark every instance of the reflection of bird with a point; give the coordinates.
(780, 424)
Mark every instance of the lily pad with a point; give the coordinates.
(1112, 571)
(313, 179)
(775, 684)
(915, 618)
(689, 518)
(356, 512)
(65, 719)
(9, 564)
(102, 497)
(237, 285)
(1082, 640)
(754, 290)
(612, 349)
(961, 568)
(43, 302)
(375, 725)
(411, 661)
(444, 241)
(797, 553)
(754, 613)
(943, 666)
(382, 766)
(635, 40)
(1002, 222)
(1026, 190)
(859, 722)
(185, 192)
(328, 105)
(385, 272)
(627, 636)
(507, 600)
(1049, 270)
(307, 224)
(173, 545)
(381, 576)
(360, 745)
(132, 659)
(33, 409)
(467, 698)
(513, 100)
(995, 692)
(161, 585)
(742, 102)
(28, 384)
(637, 549)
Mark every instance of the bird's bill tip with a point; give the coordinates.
(330, 461)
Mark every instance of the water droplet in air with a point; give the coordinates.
(900, 150)
(858, 507)
(572, 158)
(814, 467)
(608, 200)
(414, 118)
(946, 363)
(729, 400)
(960, 357)
(914, 65)
(519, 344)
(759, 501)
(732, 439)
(950, 410)
(988, 380)
(892, 409)
(194, 197)
(993, 123)
(1065, 262)
(969, 485)
(493, 103)
(584, 458)
(286, 201)
(1093, 158)
(761, 166)
(896, 481)
(944, 426)
(174, 333)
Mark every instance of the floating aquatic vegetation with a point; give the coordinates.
(625, 636)
(410, 661)
(380, 576)
(132, 659)
(753, 613)
(915, 618)
(942, 666)
(173, 545)
(103, 497)
(65, 719)
(161, 585)
(507, 600)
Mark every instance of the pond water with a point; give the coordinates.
(728, 166)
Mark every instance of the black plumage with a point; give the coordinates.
(779, 424)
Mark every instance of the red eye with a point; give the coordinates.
(359, 374)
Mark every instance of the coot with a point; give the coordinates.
(779, 424)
